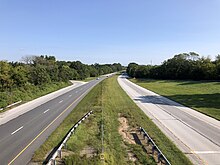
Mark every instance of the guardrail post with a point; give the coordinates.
(153, 148)
(140, 130)
(65, 145)
(144, 135)
(59, 153)
(158, 157)
(53, 161)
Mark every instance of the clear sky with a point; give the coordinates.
(107, 31)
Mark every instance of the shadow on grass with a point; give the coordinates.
(195, 100)
(205, 103)
(199, 100)
(180, 82)
(199, 82)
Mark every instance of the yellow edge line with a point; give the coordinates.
(44, 130)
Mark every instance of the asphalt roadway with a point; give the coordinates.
(196, 134)
(21, 136)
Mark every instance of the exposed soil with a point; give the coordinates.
(126, 133)
(124, 130)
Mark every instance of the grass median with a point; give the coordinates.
(202, 96)
(109, 102)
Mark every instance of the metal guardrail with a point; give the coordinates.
(11, 105)
(57, 152)
(160, 155)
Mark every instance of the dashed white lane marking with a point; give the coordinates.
(61, 101)
(206, 152)
(46, 111)
(70, 95)
(76, 92)
(17, 130)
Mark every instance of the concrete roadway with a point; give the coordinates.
(196, 134)
(22, 135)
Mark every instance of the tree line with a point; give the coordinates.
(181, 67)
(38, 70)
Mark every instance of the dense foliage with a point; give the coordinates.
(39, 70)
(36, 72)
(181, 66)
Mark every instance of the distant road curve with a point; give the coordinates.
(196, 134)
(25, 128)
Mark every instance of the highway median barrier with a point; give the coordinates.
(154, 148)
(57, 151)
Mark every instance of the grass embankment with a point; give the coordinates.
(108, 98)
(199, 95)
(29, 92)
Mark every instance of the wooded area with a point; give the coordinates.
(185, 66)
(39, 70)
(37, 75)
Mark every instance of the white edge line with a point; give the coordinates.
(17, 130)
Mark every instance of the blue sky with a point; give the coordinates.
(107, 31)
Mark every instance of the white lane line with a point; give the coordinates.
(206, 152)
(46, 111)
(70, 95)
(61, 101)
(17, 130)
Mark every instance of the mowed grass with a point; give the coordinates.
(202, 96)
(108, 100)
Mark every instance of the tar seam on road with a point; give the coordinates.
(44, 130)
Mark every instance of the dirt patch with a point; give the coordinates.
(124, 130)
(88, 152)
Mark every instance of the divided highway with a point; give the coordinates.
(21, 136)
(196, 134)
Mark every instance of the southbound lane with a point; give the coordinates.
(196, 134)
(20, 137)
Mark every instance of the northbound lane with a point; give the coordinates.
(21, 136)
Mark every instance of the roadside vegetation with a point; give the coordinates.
(109, 103)
(29, 92)
(185, 66)
(202, 96)
(39, 75)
